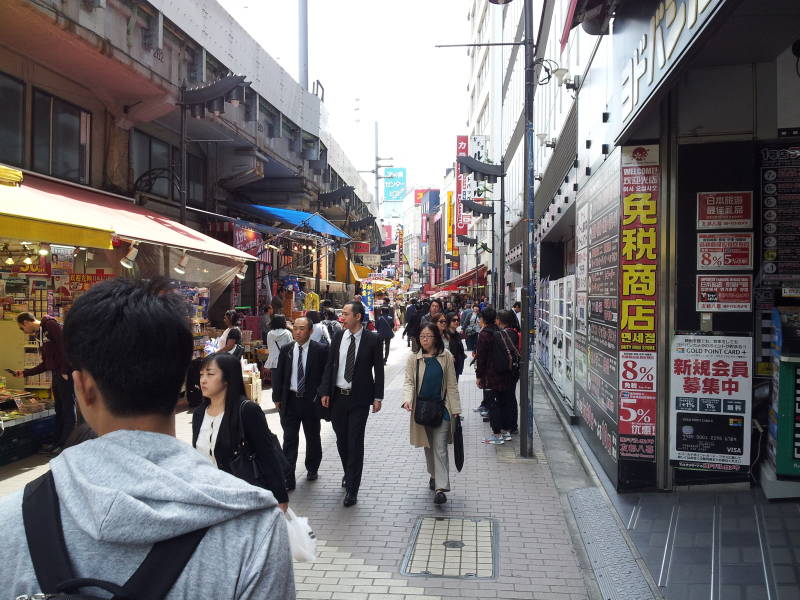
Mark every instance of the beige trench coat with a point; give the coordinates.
(418, 437)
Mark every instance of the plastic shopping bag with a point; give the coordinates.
(302, 539)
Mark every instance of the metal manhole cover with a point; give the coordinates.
(463, 548)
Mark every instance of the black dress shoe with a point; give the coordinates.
(439, 498)
(350, 499)
(291, 484)
(312, 476)
(344, 482)
(432, 484)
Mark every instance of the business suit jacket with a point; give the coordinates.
(255, 430)
(313, 365)
(369, 359)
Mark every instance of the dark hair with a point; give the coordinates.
(489, 315)
(358, 308)
(439, 302)
(231, 369)
(278, 322)
(516, 305)
(233, 316)
(277, 305)
(508, 318)
(313, 316)
(25, 316)
(437, 337)
(329, 314)
(451, 316)
(135, 341)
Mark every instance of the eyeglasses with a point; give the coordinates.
(426, 337)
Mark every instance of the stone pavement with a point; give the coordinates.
(362, 548)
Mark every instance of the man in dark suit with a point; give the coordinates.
(352, 382)
(294, 390)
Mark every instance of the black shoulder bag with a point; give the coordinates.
(42, 519)
(244, 464)
(427, 411)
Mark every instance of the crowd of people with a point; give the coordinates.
(237, 475)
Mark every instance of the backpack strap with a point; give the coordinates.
(42, 519)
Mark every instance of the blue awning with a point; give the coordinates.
(297, 218)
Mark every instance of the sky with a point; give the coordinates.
(377, 62)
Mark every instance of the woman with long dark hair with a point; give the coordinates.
(431, 374)
(231, 338)
(448, 326)
(225, 413)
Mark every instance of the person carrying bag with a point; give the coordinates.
(431, 396)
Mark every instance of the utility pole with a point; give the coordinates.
(501, 272)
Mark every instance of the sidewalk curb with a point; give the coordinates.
(589, 468)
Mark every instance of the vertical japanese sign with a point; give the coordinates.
(780, 210)
(462, 219)
(710, 402)
(449, 223)
(400, 256)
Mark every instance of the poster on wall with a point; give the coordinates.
(724, 251)
(725, 210)
(710, 402)
(724, 293)
(638, 399)
(780, 211)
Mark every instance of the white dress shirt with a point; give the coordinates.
(295, 354)
(207, 438)
(341, 382)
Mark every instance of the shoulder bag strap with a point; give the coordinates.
(42, 520)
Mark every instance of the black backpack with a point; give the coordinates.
(153, 579)
(505, 356)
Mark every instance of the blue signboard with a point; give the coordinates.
(394, 184)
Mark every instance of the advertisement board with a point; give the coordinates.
(462, 219)
(394, 184)
(724, 293)
(360, 247)
(780, 212)
(724, 210)
(724, 251)
(710, 402)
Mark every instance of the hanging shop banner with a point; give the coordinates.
(780, 211)
(710, 402)
(368, 295)
(724, 293)
(394, 184)
(638, 248)
(724, 251)
(638, 399)
(420, 194)
(400, 244)
(724, 210)
(462, 219)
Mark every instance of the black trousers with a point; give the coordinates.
(297, 412)
(502, 410)
(386, 343)
(349, 421)
(64, 396)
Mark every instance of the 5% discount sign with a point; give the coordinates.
(637, 393)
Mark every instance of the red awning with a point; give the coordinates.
(465, 280)
(49, 203)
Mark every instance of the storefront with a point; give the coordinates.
(658, 277)
(56, 241)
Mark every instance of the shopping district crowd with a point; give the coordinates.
(129, 509)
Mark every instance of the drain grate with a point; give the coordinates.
(464, 548)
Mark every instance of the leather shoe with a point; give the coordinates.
(439, 498)
(344, 482)
(350, 499)
(291, 484)
(312, 476)
(432, 484)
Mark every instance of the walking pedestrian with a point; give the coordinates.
(436, 309)
(471, 328)
(136, 488)
(453, 341)
(413, 323)
(226, 413)
(266, 319)
(492, 378)
(319, 333)
(352, 382)
(384, 325)
(51, 346)
(509, 353)
(431, 374)
(294, 390)
(277, 338)
(330, 322)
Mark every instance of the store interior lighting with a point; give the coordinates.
(28, 260)
(130, 257)
(9, 257)
(242, 271)
(44, 250)
(180, 268)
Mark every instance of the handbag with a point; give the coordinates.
(244, 463)
(458, 444)
(427, 411)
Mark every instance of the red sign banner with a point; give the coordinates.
(724, 293)
(462, 220)
(360, 247)
(724, 210)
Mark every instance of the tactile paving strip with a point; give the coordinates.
(615, 568)
(464, 548)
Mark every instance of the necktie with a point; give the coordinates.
(301, 373)
(350, 363)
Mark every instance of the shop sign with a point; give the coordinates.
(462, 219)
(394, 184)
(368, 295)
(780, 211)
(639, 248)
(400, 241)
(724, 210)
(81, 282)
(373, 261)
(724, 293)
(61, 260)
(247, 240)
(419, 195)
(724, 251)
(40, 266)
(710, 401)
(638, 398)
(360, 247)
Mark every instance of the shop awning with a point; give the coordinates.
(464, 280)
(48, 211)
(380, 284)
(342, 267)
(296, 218)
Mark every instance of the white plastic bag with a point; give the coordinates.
(302, 539)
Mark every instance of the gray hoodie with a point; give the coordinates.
(121, 493)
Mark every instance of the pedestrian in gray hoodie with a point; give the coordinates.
(136, 484)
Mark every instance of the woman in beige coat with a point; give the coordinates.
(431, 373)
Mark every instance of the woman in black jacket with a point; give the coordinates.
(452, 339)
(216, 423)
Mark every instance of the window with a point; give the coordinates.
(12, 106)
(148, 153)
(61, 133)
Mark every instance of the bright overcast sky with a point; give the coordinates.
(379, 56)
